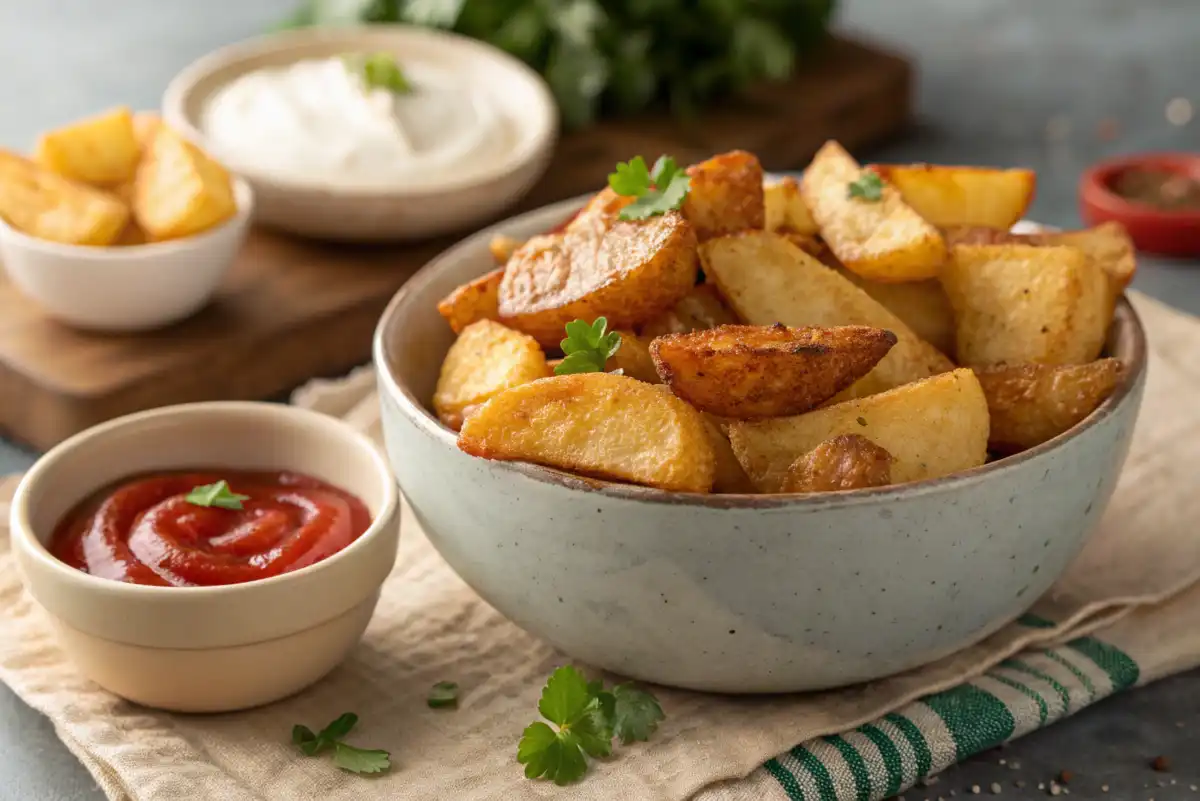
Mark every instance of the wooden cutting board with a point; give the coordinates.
(291, 310)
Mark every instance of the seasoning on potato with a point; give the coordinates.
(749, 372)
(847, 461)
(1033, 403)
(931, 428)
(818, 351)
(600, 425)
(866, 222)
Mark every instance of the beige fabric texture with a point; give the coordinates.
(1131, 583)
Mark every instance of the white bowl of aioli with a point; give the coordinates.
(331, 160)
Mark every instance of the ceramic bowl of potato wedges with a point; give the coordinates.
(729, 433)
(117, 223)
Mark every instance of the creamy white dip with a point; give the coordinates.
(318, 122)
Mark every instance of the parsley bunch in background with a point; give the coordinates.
(605, 56)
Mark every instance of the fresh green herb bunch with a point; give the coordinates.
(604, 56)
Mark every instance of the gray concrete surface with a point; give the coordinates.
(1051, 86)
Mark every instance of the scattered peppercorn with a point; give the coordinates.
(1065, 776)
(1161, 764)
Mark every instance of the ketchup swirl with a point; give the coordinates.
(145, 531)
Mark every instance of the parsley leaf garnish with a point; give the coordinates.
(443, 694)
(217, 494)
(587, 716)
(657, 190)
(869, 187)
(345, 756)
(587, 348)
(379, 71)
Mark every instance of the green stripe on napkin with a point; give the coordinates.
(1019, 695)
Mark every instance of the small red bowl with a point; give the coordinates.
(1171, 233)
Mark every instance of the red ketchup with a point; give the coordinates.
(158, 530)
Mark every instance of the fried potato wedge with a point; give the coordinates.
(749, 372)
(766, 280)
(931, 428)
(784, 208)
(102, 150)
(847, 461)
(1017, 304)
(1033, 403)
(699, 309)
(728, 475)
(599, 266)
(725, 195)
(46, 205)
(485, 360)
(179, 190)
(502, 248)
(946, 195)
(472, 302)
(600, 425)
(145, 126)
(884, 239)
(633, 359)
(923, 305)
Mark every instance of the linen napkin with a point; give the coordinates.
(1126, 612)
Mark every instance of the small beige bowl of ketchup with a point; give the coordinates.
(211, 556)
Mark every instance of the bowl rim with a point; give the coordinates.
(1096, 192)
(1134, 369)
(23, 537)
(107, 254)
(236, 55)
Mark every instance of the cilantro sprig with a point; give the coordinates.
(443, 695)
(587, 348)
(657, 190)
(586, 718)
(379, 71)
(218, 495)
(869, 187)
(345, 756)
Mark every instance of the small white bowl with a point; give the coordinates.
(209, 649)
(389, 213)
(126, 288)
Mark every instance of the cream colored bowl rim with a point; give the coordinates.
(1131, 342)
(95, 256)
(240, 57)
(22, 530)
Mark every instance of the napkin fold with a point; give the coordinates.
(1126, 613)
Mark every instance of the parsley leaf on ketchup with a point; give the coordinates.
(587, 348)
(217, 494)
(345, 756)
(656, 190)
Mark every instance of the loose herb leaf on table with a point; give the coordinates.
(442, 695)
(345, 756)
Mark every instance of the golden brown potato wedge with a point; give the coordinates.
(847, 461)
(472, 302)
(923, 305)
(883, 239)
(145, 126)
(600, 425)
(43, 204)
(931, 428)
(1032, 403)
(1017, 304)
(725, 195)
(633, 359)
(728, 475)
(699, 309)
(599, 266)
(748, 372)
(502, 248)
(946, 195)
(485, 360)
(101, 150)
(784, 208)
(180, 191)
(766, 280)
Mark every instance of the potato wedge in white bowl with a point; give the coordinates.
(728, 590)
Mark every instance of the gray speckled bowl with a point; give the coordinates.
(740, 593)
